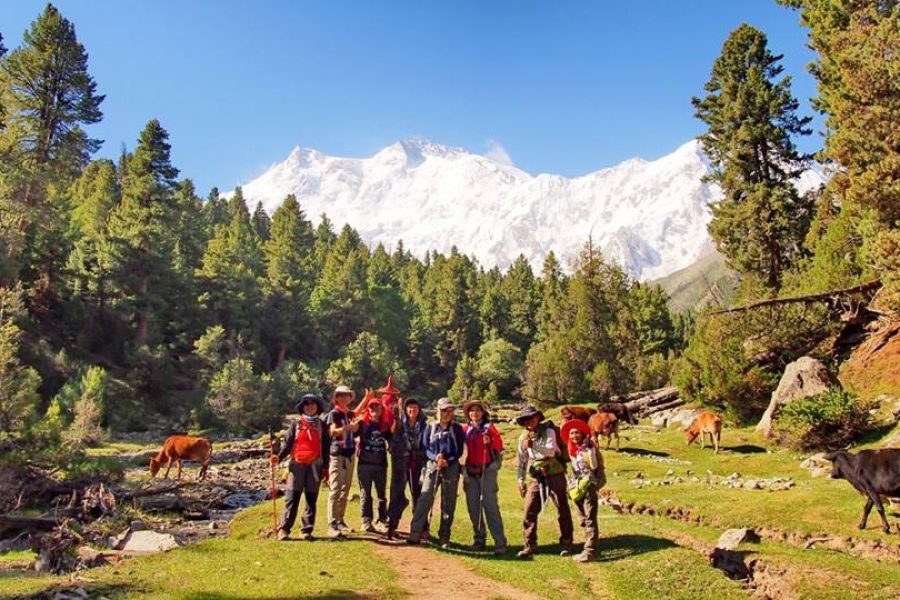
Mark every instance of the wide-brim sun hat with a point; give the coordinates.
(472, 403)
(578, 424)
(527, 413)
(343, 389)
(306, 399)
(445, 403)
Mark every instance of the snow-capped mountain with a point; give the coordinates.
(649, 216)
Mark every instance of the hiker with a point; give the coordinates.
(444, 442)
(341, 427)
(372, 464)
(407, 459)
(588, 476)
(484, 454)
(306, 443)
(540, 457)
(389, 396)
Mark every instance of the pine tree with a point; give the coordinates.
(552, 288)
(760, 223)
(215, 211)
(522, 294)
(390, 313)
(288, 283)
(141, 239)
(261, 222)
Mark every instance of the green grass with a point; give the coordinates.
(641, 556)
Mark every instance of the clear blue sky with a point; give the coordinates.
(563, 87)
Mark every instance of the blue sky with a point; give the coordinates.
(561, 87)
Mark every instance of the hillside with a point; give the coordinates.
(709, 280)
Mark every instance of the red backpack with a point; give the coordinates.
(307, 443)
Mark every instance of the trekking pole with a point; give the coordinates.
(272, 470)
(484, 457)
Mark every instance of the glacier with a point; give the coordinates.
(650, 217)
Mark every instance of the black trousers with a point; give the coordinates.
(404, 471)
(302, 480)
(369, 476)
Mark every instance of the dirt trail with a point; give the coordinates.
(424, 574)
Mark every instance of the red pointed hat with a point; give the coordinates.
(578, 424)
(389, 388)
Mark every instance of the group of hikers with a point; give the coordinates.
(428, 458)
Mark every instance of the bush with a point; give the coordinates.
(88, 409)
(829, 420)
(242, 400)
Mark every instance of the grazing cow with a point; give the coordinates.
(576, 412)
(605, 424)
(874, 473)
(620, 410)
(706, 423)
(178, 447)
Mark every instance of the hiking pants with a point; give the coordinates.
(481, 500)
(302, 480)
(557, 490)
(587, 508)
(368, 475)
(404, 471)
(340, 477)
(449, 483)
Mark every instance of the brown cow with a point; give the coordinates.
(178, 447)
(605, 424)
(620, 410)
(706, 423)
(576, 412)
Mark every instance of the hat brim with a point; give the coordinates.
(471, 403)
(520, 420)
(299, 406)
(351, 392)
(568, 426)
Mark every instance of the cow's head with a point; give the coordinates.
(839, 462)
(690, 435)
(154, 467)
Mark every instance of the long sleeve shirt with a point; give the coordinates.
(450, 441)
(477, 452)
(544, 445)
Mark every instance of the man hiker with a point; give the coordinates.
(407, 459)
(540, 458)
(306, 443)
(588, 476)
(372, 466)
(484, 453)
(341, 427)
(444, 442)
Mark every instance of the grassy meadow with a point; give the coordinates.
(641, 555)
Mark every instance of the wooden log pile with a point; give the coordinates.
(646, 403)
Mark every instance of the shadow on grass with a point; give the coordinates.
(874, 435)
(95, 590)
(643, 452)
(618, 547)
(745, 449)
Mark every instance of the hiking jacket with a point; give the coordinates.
(295, 468)
(450, 442)
(371, 446)
(407, 440)
(544, 449)
(341, 445)
(476, 452)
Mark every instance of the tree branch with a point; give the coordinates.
(808, 299)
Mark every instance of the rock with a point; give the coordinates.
(149, 541)
(680, 417)
(670, 472)
(817, 465)
(213, 525)
(752, 484)
(733, 538)
(90, 557)
(802, 378)
(137, 525)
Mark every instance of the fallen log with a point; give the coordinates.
(828, 297)
(27, 523)
(652, 398)
(652, 410)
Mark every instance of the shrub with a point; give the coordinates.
(242, 400)
(829, 420)
(85, 428)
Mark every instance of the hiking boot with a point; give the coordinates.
(500, 551)
(412, 539)
(306, 536)
(444, 544)
(526, 552)
(283, 535)
(565, 550)
(477, 547)
(583, 557)
(391, 533)
(367, 527)
(345, 529)
(381, 527)
(335, 533)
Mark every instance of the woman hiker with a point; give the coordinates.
(540, 458)
(407, 460)
(588, 476)
(443, 441)
(372, 466)
(341, 427)
(484, 454)
(306, 443)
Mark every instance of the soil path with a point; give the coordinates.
(425, 574)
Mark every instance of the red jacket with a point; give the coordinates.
(477, 453)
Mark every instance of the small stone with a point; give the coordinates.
(213, 525)
(733, 538)
(137, 525)
(752, 484)
(670, 472)
(639, 475)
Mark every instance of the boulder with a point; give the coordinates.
(733, 538)
(680, 417)
(148, 541)
(802, 378)
(817, 465)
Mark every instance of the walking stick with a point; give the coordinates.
(272, 470)
(484, 451)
